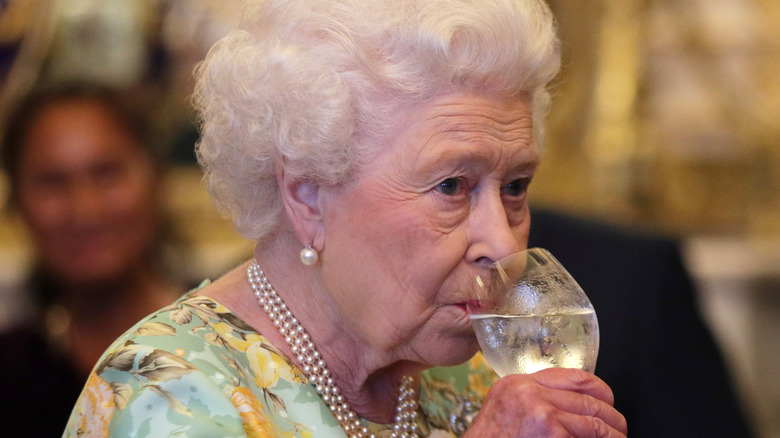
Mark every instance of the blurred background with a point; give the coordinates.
(666, 117)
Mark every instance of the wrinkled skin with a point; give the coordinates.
(555, 402)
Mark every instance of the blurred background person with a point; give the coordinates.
(87, 184)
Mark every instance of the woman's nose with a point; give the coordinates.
(492, 236)
(85, 202)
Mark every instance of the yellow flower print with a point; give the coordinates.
(215, 306)
(228, 335)
(266, 366)
(298, 433)
(478, 361)
(251, 411)
(253, 337)
(481, 376)
(95, 408)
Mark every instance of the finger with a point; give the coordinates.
(589, 427)
(575, 380)
(586, 406)
(572, 391)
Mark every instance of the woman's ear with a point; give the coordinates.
(301, 202)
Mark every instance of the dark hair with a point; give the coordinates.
(23, 115)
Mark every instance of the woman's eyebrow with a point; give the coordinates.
(463, 158)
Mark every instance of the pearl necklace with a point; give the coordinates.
(318, 374)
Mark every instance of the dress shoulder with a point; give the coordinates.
(194, 368)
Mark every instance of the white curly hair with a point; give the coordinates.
(316, 85)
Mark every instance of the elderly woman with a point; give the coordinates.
(380, 153)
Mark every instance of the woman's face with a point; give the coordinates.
(445, 199)
(87, 192)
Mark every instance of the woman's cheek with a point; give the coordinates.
(446, 217)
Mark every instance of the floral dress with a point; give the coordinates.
(194, 369)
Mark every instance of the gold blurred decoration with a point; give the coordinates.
(593, 119)
(665, 115)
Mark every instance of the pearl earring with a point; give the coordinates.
(309, 255)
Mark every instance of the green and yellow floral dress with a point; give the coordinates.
(194, 369)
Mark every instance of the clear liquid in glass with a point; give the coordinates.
(522, 344)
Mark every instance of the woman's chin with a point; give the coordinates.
(453, 351)
(449, 339)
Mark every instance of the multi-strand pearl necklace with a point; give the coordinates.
(313, 365)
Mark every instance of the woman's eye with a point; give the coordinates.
(516, 187)
(449, 186)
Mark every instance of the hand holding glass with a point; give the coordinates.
(532, 315)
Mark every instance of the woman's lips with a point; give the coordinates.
(466, 306)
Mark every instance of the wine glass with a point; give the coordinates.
(531, 315)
